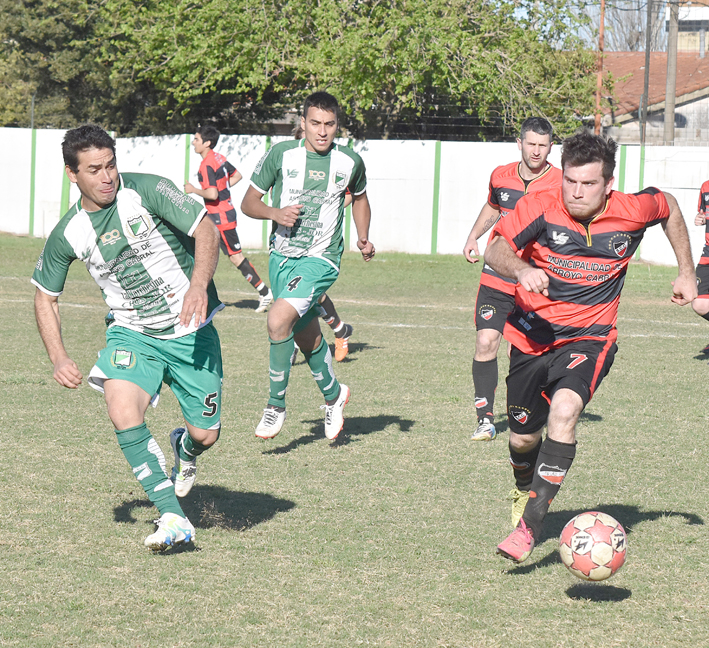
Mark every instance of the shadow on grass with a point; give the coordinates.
(244, 304)
(503, 425)
(627, 515)
(598, 592)
(214, 506)
(354, 349)
(355, 426)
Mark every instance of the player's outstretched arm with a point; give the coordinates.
(362, 215)
(254, 207)
(46, 310)
(684, 288)
(502, 259)
(206, 256)
(234, 178)
(486, 219)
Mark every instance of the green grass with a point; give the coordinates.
(385, 538)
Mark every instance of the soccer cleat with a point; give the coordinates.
(519, 502)
(264, 301)
(334, 418)
(183, 472)
(271, 422)
(172, 530)
(485, 432)
(341, 346)
(519, 545)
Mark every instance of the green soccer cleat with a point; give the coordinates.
(184, 472)
(172, 530)
(519, 502)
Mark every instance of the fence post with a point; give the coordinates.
(436, 194)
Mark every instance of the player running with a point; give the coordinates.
(581, 238)
(216, 175)
(701, 303)
(495, 298)
(309, 178)
(151, 251)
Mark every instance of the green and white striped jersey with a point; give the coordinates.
(319, 183)
(139, 250)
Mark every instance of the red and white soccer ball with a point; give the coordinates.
(592, 546)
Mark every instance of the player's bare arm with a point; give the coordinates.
(46, 309)
(206, 255)
(254, 207)
(700, 218)
(486, 220)
(502, 259)
(684, 288)
(210, 193)
(234, 178)
(362, 215)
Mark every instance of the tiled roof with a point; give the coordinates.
(628, 71)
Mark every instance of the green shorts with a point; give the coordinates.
(300, 282)
(190, 365)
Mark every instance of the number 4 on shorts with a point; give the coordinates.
(293, 284)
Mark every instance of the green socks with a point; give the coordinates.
(320, 363)
(279, 370)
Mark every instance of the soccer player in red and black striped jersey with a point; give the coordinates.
(701, 303)
(216, 176)
(508, 183)
(577, 242)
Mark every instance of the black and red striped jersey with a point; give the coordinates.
(586, 264)
(215, 171)
(702, 208)
(506, 188)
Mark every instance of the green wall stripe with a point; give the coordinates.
(641, 186)
(266, 223)
(187, 158)
(33, 162)
(348, 212)
(621, 170)
(436, 194)
(66, 187)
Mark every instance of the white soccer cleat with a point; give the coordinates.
(271, 423)
(334, 414)
(172, 530)
(264, 301)
(485, 431)
(184, 472)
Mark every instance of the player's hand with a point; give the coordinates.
(534, 280)
(700, 219)
(684, 290)
(366, 248)
(189, 188)
(287, 216)
(66, 373)
(194, 305)
(470, 249)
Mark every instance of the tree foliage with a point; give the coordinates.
(416, 68)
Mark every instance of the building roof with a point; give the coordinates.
(628, 72)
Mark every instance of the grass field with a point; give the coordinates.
(384, 538)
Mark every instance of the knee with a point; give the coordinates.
(206, 438)
(487, 342)
(124, 417)
(701, 306)
(523, 443)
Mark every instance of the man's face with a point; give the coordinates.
(319, 128)
(535, 150)
(198, 145)
(584, 190)
(96, 177)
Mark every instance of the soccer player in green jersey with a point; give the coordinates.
(309, 179)
(153, 254)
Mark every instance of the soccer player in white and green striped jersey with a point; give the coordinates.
(309, 179)
(153, 254)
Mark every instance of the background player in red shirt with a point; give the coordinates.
(701, 303)
(216, 176)
(578, 241)
(508, 183)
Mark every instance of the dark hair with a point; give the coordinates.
(209, 134)
(323, 101)
(83, 138)
(537, 125)
(584, 148)
(298, 131)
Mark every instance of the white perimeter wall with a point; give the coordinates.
(401, 186)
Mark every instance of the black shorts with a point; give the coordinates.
(228, 238)
(703, 280)
(492, 308)
(579, 366)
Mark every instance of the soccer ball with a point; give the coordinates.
(592, 546)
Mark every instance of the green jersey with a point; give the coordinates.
(319, 183)
(139, 250)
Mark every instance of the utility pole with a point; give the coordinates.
(671, 88)
(645, 102)
(599, 78)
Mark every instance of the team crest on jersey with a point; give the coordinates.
(504, 196)
(138, 227)
(486, 312)
(520, 414)
(560, 238)
(339, 178)
(551, 474)
(620, 244)
(122, 359)
(109, 238)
